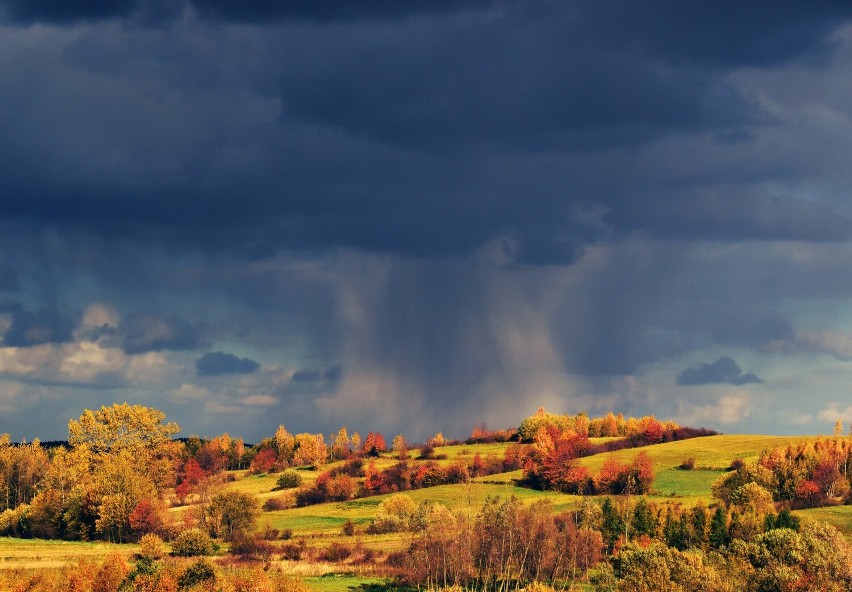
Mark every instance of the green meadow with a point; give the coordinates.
(321, 525)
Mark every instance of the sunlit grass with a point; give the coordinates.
(38, 553)
(838, 516)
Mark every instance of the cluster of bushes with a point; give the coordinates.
(482, 435)
(561, 474)
(609, 426)
(802, 475)
(815, 558)
(340, 484)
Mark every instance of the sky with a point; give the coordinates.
(420, 216)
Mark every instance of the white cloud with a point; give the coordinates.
(83, 362)
(834, 412)
(260, 401)
(731, 408)
(188, 393)
(100, 315)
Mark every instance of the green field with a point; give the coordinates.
(838, 516)
(320, 525)
(37, 553)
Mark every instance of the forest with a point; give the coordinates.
(558, 502)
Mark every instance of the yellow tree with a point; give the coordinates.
(310, 450)
(132, 457)
(340, 448)
(121, 426)
(285, 445)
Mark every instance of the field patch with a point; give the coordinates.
(38, 553)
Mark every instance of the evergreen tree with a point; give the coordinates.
(719, 529)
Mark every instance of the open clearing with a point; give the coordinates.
(37, 553)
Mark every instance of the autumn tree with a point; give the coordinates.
(121, 427)
(340, 446)
(310, 450)
(542, 419)
(22, 467)
(285, 445)
(400, 447)
(374, 444)
(230, 512)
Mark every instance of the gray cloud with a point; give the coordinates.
(473, 208)
(216, 363)
(44, 326)
(723, 371)
(154, 332)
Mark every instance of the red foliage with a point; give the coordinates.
(652, 430)
(193, 474)
(211, 458)
(515, 456)
(477, 467)
(643, 472)
(263, 461)
(612, 478)
(146, 517)
(373, 481)
(809, 493)
(374, 444)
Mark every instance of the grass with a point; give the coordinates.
(322, 524)
(336, 582)
(838, 516)
(37, 553)
(712, 456)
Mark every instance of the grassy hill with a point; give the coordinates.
(321, 525)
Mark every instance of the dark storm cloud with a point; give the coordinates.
(469, 206)
(319, 11)
(9, 280)
(723, 371)
(716, 34)
(325, 11)
(59, 11)
(331, 136)
(154, 332)
(216, 363)
(45, 326)
(727, 214)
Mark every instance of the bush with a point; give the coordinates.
(289, 479)
(336, 552)
(687, 465)
(348, 528)
(294, 551)
(200, 571)
(111, 574)
(282, 502)
(151, 547)
(192, 543)
(251, 547)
